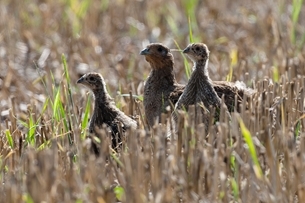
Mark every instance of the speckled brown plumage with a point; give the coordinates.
(229, 90)
(200, 85)
(199, 88)
(161, 88)
(105, 111)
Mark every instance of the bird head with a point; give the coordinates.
(197, 52)
(158, 55)
(93, 81)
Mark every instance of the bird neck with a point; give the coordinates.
(202, 66)
(163, 69)
(103, 107)
(101, 97)
(200, 88)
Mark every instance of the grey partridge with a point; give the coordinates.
(199, 89)
(105, 111)
(161, 88)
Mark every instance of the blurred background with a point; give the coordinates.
(259, 42)
(256, 39)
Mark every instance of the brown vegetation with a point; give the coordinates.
(43, 152)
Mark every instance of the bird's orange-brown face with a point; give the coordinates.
(92, 80)
(197, 51)
(158, 55)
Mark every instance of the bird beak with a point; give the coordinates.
(81, 80)
(145, 51)
(186, 50)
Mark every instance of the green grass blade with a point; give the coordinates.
(45, 105)
(84, 5)
(234, 61)
(44, 145)
(56, 105)
(64, 61)
(190, 30)
(232, 159)
(9, 138)
(86, 118)
(67, 76)
(296, 9)
(117, 160)
(172, 24)
(276, 75)
(119, 192)
(27, 198)
(235, 188)
(69, 111)
(24, 124)
(297, 129)
(186, 64)
(248, 139)
(63, 116)
(190, 8)
(32, 129)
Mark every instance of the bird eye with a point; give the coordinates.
(197, 48)
(91, 78)
(159, 49)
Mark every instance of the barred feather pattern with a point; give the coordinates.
(199, 88)
(161, 88)
(105, 111)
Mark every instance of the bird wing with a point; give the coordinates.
(175, 95)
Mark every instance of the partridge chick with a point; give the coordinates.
(228, 90)
(105, 111)
(199, 89)
(161, 88)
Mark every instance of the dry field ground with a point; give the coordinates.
(46, 45)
